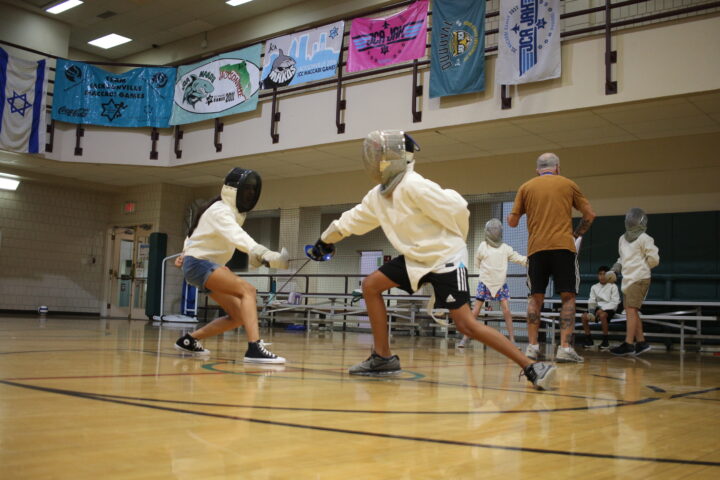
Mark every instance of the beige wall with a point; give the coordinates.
(33, 31)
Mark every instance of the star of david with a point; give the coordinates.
(13, 102)
(516, 28)
(333, 32)
(112, 110)
(541, 23)
(384, 49)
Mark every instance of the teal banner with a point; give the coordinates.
(87, 94)
(457, 62)
(222, 85)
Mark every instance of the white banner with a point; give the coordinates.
(529, 41)
(23, 88)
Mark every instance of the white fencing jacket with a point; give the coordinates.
(219, 231)
(492, 264)
(607, 296)
(424, 222)
(637, 258)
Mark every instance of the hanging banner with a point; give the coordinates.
(379, 42)
(302, 57)
(23, 89)
(222, 85)
(529, 42)
(87, 94)
(458, 47)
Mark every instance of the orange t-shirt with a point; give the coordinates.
(548, 201)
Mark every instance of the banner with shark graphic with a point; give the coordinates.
(302, 57)
(379, 42)
(141, 97)
(222, 85)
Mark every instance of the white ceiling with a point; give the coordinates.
(686, 115)
(147, 22)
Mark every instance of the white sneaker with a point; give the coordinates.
(533, 351)
(568, 355)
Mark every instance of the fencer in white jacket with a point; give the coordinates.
(491, 260)
(211, 242)
(428, 225)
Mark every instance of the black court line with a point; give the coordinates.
(617, 404)
(656, 389)
(611, 378)
(707, 399)
(679, 395)
(370, 434)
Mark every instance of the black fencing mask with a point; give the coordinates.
(248, 185)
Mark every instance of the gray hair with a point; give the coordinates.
(547, 161)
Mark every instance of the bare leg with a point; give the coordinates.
(238, 299)
(639, 335)
(633, 318)
(602, 316)
(504, 304)
(534, 303)
(467, 325)
(586, 324)
(567, 318)
(373, 287)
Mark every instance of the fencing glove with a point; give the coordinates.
(260, 255)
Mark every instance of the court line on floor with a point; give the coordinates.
(369, 434)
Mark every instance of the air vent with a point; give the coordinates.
(107, 14)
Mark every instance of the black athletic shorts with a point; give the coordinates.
(560, 264)
(610, 314)
(451, 288)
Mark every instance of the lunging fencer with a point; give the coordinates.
(428, 226)
(215, 234)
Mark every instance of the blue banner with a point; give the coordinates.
(87, 94)
(223, 85)
(457, 62)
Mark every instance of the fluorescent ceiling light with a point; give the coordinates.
(8, 182)
(235, 3)
(109, 41)
(61, 7)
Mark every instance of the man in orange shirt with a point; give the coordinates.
(548, 200)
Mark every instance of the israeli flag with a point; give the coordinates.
(23, 88)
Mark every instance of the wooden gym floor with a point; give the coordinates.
(83, 398)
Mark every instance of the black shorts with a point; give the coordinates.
(560, 264)
(451, 288)
(610, 314)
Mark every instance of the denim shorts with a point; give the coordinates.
(197, 271)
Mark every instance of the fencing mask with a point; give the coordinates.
(635, 223)
(386, 155)
(247, 184)
(494, 232)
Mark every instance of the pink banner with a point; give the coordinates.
(379, 42)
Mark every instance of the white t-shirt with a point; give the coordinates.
(637, 258)
(492, 264)
(607, 296)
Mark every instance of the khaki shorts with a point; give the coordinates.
(634, 295)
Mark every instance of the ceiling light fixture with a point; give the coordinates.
(62, 6)
(9, 182)
(235, 3)
(109, 41)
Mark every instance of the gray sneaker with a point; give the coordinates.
(532, 351)
(541, 375)
(377, 365)
(568, 355)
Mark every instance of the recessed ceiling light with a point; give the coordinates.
(9, 182)
(235, 3)
(109, 41)
(61, 7)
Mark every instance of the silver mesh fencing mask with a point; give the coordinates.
(635, 223)
(494, 232)
(385, 157)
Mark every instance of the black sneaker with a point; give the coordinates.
(188, 344)
(377, 365)
(541, 375)
(257, 353)
(623, 350)
(588, 342)
(642, 347)
(605, 345)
